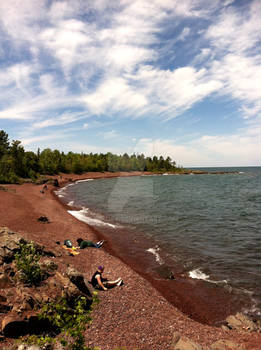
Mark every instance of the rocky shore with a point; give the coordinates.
(134, 316)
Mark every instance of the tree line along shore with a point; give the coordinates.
(17, 164)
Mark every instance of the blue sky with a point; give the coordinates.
(177, 78)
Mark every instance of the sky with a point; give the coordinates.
(158, 77)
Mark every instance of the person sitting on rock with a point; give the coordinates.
(102, 283)
(85, 244)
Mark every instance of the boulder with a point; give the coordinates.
(24, 301)
(241, 322)
(58, 286)
(165, 272)
(226, 345)
(9, 242)
(79, 281)
(183, 343)
(14, 326)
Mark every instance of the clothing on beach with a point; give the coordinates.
(86, 244)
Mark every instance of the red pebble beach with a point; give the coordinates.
(134, 316)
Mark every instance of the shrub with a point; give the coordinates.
(68, 322)
(27, 259)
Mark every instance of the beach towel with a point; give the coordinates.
(72, 250)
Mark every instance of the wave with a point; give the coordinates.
(71, 203)
(82, 216)
(198, 274)
(84, 180)
(60, 193)
(155, 251)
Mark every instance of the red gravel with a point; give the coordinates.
(134, 316)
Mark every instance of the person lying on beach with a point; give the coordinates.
(85, 244)
(102, 283)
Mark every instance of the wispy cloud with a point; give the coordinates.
(108, 135)
(65, 61)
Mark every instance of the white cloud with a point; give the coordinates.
(236, 31)
(115, 95)
(123, 45)
(173, 92)
(108, 135)
(67, 41)
(230, 150)
(17, 75)
(63, 119)
(241, 78)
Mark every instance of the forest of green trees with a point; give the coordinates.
(16, 163)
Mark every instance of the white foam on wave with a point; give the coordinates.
(198, 274)
(71, 203)
(155, 251)
(82, 216)
(84, 180)
(60, 191)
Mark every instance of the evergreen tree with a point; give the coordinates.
(15, 163)
(4, 143)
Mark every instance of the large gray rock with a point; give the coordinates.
(165, 272)
(9, 242)
(79, 281)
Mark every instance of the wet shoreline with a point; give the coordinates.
(202, 301)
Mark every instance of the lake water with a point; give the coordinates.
(210, 224)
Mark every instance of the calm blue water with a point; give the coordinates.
(211, 224)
